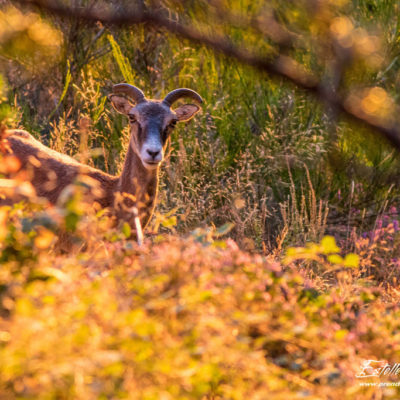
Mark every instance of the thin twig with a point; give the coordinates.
(138, 226)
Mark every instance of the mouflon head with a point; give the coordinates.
(151, 121)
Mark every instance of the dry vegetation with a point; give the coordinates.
(271, 267)
(185, 317)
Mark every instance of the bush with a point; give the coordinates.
(180, 318)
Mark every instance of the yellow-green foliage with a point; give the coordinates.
(177, 319)
(326, 253)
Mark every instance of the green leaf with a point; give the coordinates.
(224, 229)
(122, 61)
(352, 260)
(71, 221)
(205, 295)
(169, 222)
(328, 245)
(292, 251)
(335, 259)
(341, 334)
(220, 244)
(126, 230)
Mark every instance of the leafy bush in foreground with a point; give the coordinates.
(179, 319)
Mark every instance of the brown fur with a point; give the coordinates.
(51, 172)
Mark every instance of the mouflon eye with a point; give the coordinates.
(132, 118)
(169, 128)
(172, 123)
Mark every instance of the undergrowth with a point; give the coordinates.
(185, 317)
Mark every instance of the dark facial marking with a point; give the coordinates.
(152, 119)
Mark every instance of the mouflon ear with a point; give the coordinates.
(121, 104)
(186, 112)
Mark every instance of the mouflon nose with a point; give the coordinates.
(153, 154)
